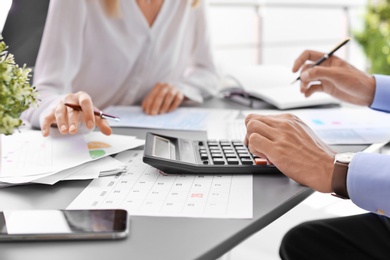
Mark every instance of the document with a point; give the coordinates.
(28, 156)
(344, 125)
(143, 190)
(182, 118)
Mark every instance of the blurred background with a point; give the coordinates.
(275, 32)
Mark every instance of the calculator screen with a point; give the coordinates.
(161, 147)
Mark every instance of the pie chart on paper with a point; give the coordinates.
(96, 149)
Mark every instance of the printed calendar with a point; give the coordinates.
(143, 190)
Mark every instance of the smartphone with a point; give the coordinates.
(63, 224)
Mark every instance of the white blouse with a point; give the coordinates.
(117, 61)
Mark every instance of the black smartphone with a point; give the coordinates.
(63, 224)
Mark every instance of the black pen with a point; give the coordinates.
(326, 56)
(96, 113)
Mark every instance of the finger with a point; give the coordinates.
(88, 109)
(258, 145)
(46, 124)
(103, 126)
(158, 100)
(72, 115)
(147, 103)
(307, 55)
(177, 101)
(73, 119)
(168, 100)
(61, 118)
(319, 73)
(312, 89)
(260, 127)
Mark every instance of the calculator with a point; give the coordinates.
(174, 155)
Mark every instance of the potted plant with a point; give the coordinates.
(16, 93)
(375, 36)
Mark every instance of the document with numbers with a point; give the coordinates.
(143, 190)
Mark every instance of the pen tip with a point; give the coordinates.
(292, 83)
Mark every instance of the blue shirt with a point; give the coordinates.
(368, 179)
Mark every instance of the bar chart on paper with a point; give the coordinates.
(143, 190)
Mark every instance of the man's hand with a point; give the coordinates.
(337, 78)
(293, 148)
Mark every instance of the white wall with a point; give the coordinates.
(276, 31)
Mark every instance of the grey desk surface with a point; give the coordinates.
(153, 237)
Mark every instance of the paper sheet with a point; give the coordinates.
(142, 190)
(27, 156)
(345, 125)
(182, 118)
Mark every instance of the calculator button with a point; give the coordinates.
(246, 161)
(261, 161)
(219, 161)
(200, 143)
(204, 156)
(230, 155)
(227, 150)
(205, 162)
(232, 161)
(216, 155)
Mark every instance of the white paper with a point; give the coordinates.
(345, 125)
(28, 156)
(182, 118)
(143, 190)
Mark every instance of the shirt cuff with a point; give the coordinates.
(189, 92)
(382, 93)
(368, 182)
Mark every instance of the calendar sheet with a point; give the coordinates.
(143, 190)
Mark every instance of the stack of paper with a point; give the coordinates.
(27, 157)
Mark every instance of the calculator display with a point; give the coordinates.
(161, 147)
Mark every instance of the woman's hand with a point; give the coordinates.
(337, 78)
(68, 119)
(162, 98)
(293, 148)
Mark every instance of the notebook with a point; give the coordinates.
(272, 84)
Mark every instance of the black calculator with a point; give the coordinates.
(174, 155)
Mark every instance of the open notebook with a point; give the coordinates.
(272, 84)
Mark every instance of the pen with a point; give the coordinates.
(97, 113)
(326, 56)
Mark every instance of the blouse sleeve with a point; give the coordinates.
(201, 78)
(59, 56)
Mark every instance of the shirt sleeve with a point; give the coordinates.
(59, 56)
(368, 182)
(201, 78)
(382, 93)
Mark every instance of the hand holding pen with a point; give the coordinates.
(75, 113)
(326, 56)
(336, 77)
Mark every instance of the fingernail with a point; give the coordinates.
(90, 124)
(304, 75)
(44, 132)
(63, 128)
(72, 128)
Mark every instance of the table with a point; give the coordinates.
(153, 237)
